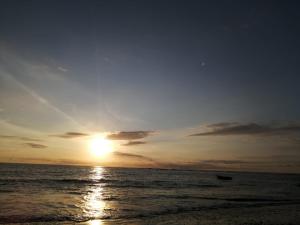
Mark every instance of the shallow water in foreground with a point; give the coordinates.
(41, 194)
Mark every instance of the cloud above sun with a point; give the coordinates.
(129, 135)
(122, 135)
(71, 135)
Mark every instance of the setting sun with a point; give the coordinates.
(100, 146)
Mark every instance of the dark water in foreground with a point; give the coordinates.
(44, 193)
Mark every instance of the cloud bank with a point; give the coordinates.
(248, 129)
(70, 135)
(129, 135)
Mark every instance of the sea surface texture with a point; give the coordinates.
(40, 194)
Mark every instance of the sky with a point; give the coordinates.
(171, 84)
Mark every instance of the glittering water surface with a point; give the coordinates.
(43, 193)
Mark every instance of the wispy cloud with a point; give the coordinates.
(19, 138)
(131, 143)
(49, 161)
(9, 125)
(35, 145)
(41, 99)
(29, 139)
(62, 69)
(248, 129)
(129, 135)
(16, 67)
(70, 135)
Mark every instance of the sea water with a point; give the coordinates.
(54, 194)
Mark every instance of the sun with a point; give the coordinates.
(100, 146)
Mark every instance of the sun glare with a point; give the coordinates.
(100, 146)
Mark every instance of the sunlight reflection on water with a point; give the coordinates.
(93, 201)
(95, 222)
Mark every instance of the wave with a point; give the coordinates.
(148, 214)
(244, 200)
(112, 183)
(32, 219)
(180, 210)
(80, 181)
(6, 191)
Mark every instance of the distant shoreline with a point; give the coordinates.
(180, 169)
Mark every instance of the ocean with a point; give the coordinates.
(52, 194)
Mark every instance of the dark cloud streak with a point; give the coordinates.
(70, 135)
(134, 156)
(129, 135)
(132, 143)
(248, 129)
(35, 145)
(19, 138)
